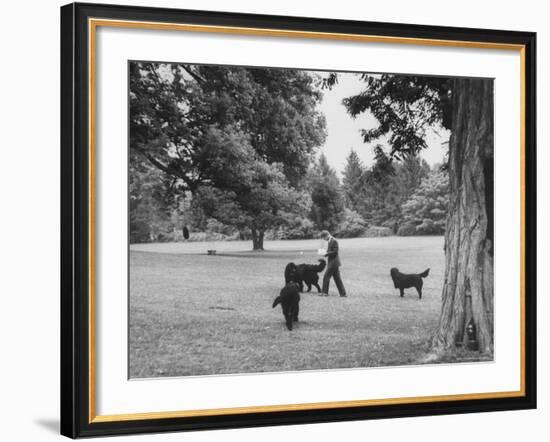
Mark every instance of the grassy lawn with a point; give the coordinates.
(194, 314)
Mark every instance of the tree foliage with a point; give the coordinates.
(351, 225)
(154, 204)
(352, 180)
(244, 136)
(406, 107)
(425, 212)
(385, 186)
(326, 195)
(262, 200)
(182, 116)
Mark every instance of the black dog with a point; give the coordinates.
(291, 274)
(309, 274)
(403, 281)
(289, 298)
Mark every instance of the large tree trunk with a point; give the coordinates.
(257, 239)
(468, 287)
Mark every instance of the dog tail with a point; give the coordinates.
(321, 266)
(424, 273)
(276, 302)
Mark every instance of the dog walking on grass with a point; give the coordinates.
(291, 273)
(404, 281)
(289, 298)
(308, 274)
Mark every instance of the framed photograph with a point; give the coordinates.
(279, 220)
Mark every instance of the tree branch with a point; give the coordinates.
(195, 76)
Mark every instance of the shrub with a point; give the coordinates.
(425, 211)
(206, 236)
(351, 226)
(377, 231)
(441, 224)
(234, 237)
(392, 224)
(427, 227)
(139, 232)
(296, 228)
(215, 226)
(407, 229)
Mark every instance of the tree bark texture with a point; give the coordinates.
(257, 239)
(468, 287)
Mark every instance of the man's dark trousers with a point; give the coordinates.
(333, 271)
(333, 268)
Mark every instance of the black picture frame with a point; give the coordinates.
(75, 220)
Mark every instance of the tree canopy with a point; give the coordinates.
(326, 195)
(243, 135)
(425, 211)
(406, 108)
(352, 180)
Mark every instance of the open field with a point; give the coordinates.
(193, 314)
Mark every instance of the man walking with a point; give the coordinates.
(333, 266)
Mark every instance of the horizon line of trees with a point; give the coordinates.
(388, 198)
(231, 152)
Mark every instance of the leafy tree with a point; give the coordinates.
(152, 204)
(379, 197)
(260, 200)
(326, 196)
(228, 129)
(295, 227)
(352, 180)
(352, 225)
(409, 174)
(407, 108)
(425, 211)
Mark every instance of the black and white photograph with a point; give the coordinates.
(275, 221)
(285, 220)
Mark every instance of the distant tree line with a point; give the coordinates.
(232, 153)
(389, 198)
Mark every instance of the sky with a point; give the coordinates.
(343, 131)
